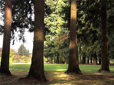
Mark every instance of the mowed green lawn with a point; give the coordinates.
(55, 67)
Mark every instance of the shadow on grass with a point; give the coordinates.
(61, 78)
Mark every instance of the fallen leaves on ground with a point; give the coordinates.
(61, 78)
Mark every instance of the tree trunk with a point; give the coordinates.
(37, 65)
(95, 59)
(99, 61)
(80, 51)
(73, 66)
(91, 59)
(104, 38)
(6, 42)
(83, 60)
(57, 58)
(80, 59)
(51, 59)
(88, 60)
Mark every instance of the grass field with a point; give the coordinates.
(55, 67)
(56, 76)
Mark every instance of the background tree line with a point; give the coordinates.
(20, 56)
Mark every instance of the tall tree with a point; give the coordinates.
(104, 37)
(23, 51)
(37, 66)
(57, 24)
(73, 66)
(6, 42)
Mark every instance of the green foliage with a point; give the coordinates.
(12, 53)
(110, 16)
(10, 60)
(23, 51)
(12, 56)
(0, 59)
(25, 59)
(89, 27)
(46, 59)
(55, 41)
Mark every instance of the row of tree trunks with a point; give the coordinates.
(89, 60)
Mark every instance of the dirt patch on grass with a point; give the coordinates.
(61, 78)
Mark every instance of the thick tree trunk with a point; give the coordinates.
(104, 37)
(73, 66)
(95, 59)
(6, 42)
(37, 66)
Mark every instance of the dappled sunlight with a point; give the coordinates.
(97, 73)
(59, 78)
(102, 73)
(56, 75)
(39, 35)
(61, 75)
(61, 70)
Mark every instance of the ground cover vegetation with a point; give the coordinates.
(73, 29)
(57, 67)
(56, 76)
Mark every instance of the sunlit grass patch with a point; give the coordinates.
(56, 67)
(61, 78)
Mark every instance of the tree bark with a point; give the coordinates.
(91, 59)
(83, 60)
(51, 59)
(37, 66)
(99, 61)
(80, 51)
(6, 42)
(104, 38)
(95, 59)
(57, 58)
(73, 66)
(88, 60)
(80, 59)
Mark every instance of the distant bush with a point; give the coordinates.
(0, 59)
